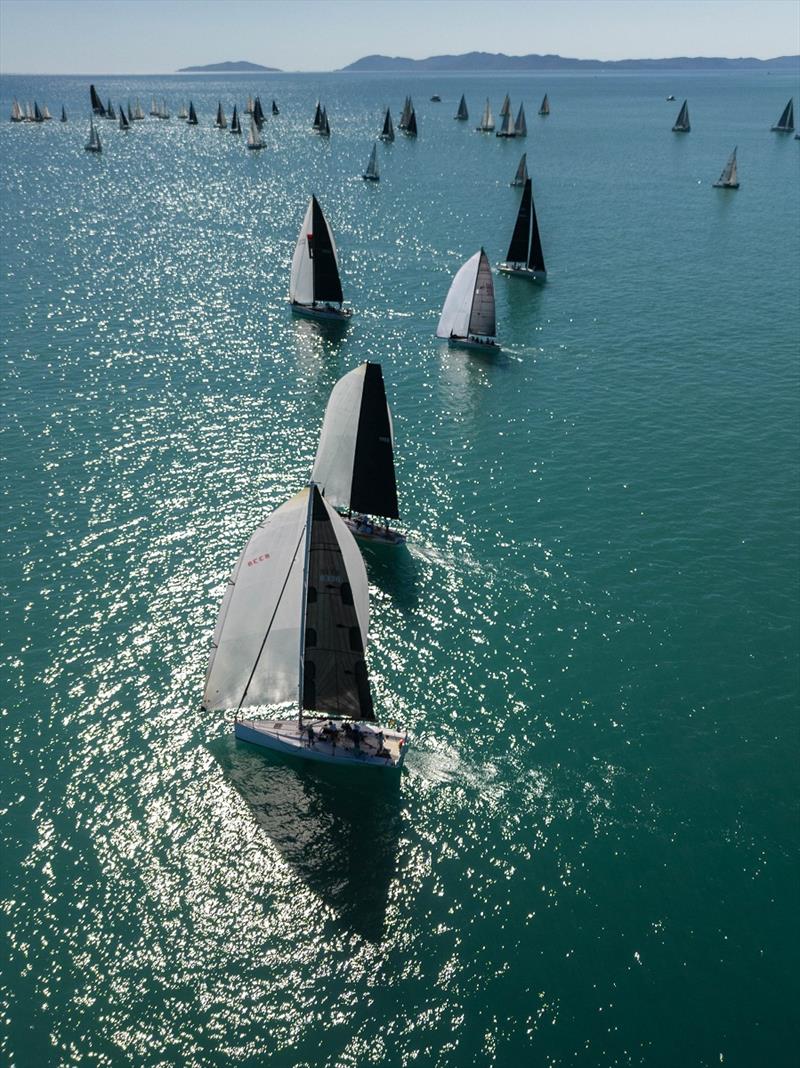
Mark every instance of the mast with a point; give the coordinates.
(304, 605)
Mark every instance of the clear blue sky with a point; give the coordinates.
(158, 36)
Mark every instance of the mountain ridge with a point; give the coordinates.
(477, 62)
(228, 67)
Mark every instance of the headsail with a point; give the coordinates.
(785, 123)
(97, 103)
(354, 466)
(462, 112)
(469, 306)
(682, 124)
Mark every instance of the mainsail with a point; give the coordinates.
(411, 128)
(220, 122)
(506, 106)
(682, 124)
(729, 179)
(97, 103)
(372, 171)
(317, 117)
(469, 306)
(521, 236)
(354, 466)
(462, 112)
(487, 119)
(293, 622)
(63, 113)
(387, 133)
(521, 126)
(192, 120)
(522, 171)
(315, 271)
(236, 126)
(785, 123)
(123, 120)
(507, 125)
(545, 106)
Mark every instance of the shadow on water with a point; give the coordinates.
(395, 571)
(337, 828)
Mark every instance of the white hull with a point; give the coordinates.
(286, 736)
(473, 343)
(373, 532)
(309, 311)
(523, 272)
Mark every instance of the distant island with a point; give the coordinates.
(231, 67)
(477, 62)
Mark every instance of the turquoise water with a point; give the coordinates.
(591, 858)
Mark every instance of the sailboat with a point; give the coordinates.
(372, 174)
(387, 133)
(462, 114)
(154, 109)
(522, 171)
(254, 138)
(324, 126)
(138, 114)
(292, 630)
(729, 179)
(315, 289)
(505, 108)
(236, 126)
(317, 117)
(682, 124)
(468, 318)
(405, 115)
(785, 123)
(507, 128)
(63, 113)
(544, 109)
(525, 256)
(29, 112)
(110, 113)
(487, 119)
(275, 108)
(521, 126)
(37, 114)
(354, 466)
(164, 110)
(93, 144)
(182, 112)
(123, 121)
(46, 116)
(248, 108)
(17, 114)
(258, 112)
(192, 119)
(220, 122)
(410, 130)
(97, 103)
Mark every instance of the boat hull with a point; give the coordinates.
(473, 343)
(307, 311)
(726, 185)
(370, 177)
(286, 736)
(373, 532)
(523, 272)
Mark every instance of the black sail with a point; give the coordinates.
(275, 108)
(374, 486)
(97, 103)
(335, 677)
(235, 125)
(317, 117)
(411, 129)
(536, 257)
(518, 249)
(192, 120)
(258, 112)
(387, 131)
(786, 121)
(327, 286)
(37, 115)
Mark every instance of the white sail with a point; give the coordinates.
(253, 135)
(16, 112)
(454, 320)
(301, 283)
(482, 318)
(487, 121)
(257, 644)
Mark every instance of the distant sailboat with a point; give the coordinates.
(275, 108)
(371, 173)
(164, 110)
(670, 97)
(37, 113)
(505, 108)
(544, 109)
(468, 318)
(729, 179)
(182, 112)
(405, 115)
(522, 171)
(785, 123)
(63, 113)
(462, 114)
(220, 122)
(317, 117)
(258, 112)
(524, 256)
(521, 126)
(410, 129)
(248, 108)
(192, 119)
(93, 144)
(46, 116)
(97, 103)
(294, 630)
(315, 289)
(324, 126)
(138, 113)
(436, 99)
(236, 126)
(154, 109)
(487, 119)
(387, 133)
(354, 466)
(254, 139)
(682, 124)
(17, 114)
(507, 128)
(110, 113)
(123, 121)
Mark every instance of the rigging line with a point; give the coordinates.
(269, 628)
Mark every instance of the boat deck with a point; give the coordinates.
(332, 741)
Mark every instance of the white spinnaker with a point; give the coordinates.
(482, 319)
(333, 466)
(454, 320)
(301, 284)
(255, 659)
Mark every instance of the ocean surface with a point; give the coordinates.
(591, 858)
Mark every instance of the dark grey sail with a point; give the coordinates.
(236, 126)
(97, 103)
(327, 285)
(275, 108)
(63, 113)
(317, 117)
(545, 106)
(324, 125)
(520, 238)
(387, 133)
(462, 114)
(192, 120)
(220, 122)
(334, 671)
(37, 114)
(123, 120)
(374, 486)
(682, 124)
(411, 128)
(535, 256)
(522, 171)
(258, 112)
(785, 123)
(110, 113)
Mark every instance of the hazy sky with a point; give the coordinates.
(158, 36)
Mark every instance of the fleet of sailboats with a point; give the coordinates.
(729, 179)
(785, 123)
(525, 256)
(468, 315)
(682, 124)
(315, 288)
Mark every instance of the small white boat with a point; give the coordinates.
(93, 144)
(292, 630)
(372, 174)
(468, 316)
(315, 289)
(487, 119)
(525, 257)
(729, 179)
(354, 465)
